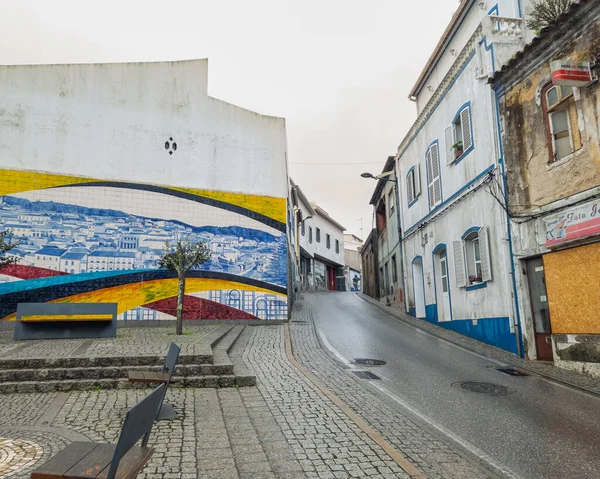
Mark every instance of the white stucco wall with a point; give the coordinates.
(461, 208)
(320, 248)
(111, 121)
(506, 8)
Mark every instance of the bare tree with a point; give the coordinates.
(180, 258)
(542, 13)
(7, 242)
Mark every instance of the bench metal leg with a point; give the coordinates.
(166, 412)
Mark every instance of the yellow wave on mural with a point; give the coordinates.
(16, 181)
(129, 296)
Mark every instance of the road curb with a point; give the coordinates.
(396, 456)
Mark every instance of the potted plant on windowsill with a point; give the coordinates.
(458, 149)
(475, 279)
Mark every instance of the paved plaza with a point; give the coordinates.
(304, 419)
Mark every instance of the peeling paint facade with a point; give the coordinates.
(551, 138)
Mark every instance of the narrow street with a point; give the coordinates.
(535, 429)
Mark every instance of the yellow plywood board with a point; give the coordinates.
(572, 279)
(66, 317)
(16, 181)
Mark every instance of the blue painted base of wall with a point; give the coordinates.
(494, 331)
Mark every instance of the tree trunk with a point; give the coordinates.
(180, 293)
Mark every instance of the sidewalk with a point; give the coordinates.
(284, 428)
(570, 378)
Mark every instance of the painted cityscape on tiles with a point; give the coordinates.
(99, 241)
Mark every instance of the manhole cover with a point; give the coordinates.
(511, 372)
(484, 388)
(370, 362)
(366, 375)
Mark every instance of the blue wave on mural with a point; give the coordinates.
(76, 239)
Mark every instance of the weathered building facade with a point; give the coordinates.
(388, 265)
(368, 255)
(101, 164)
(551, 142)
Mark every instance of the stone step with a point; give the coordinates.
(101, 362)
(121, 383)
(221, 348)
(108, 372)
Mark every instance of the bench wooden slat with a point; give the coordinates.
(131, 464)
(92, 465)
(64, 317)
(88, 460)
(57, 465)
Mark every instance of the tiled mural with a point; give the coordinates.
(84, 240)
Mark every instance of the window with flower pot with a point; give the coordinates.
(458, 136)
(561, 120)
(472, 264)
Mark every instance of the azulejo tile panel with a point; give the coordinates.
(83, 239)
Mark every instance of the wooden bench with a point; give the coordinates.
(107, 461)
(163, 376)
(65, 320)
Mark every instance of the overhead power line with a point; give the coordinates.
(341, 164)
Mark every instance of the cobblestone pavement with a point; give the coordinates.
(326, 443)
(283, 429)
(129, 342)
(421, 446)
(549, 371)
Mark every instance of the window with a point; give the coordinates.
(310, 234)
(337, 246)
(434, 184)
(318, 235)
(562, 127)
(459, 135)
(444, 275)
(381, 219)
(328, 241)
(303, 228)
(391, 201)
(472, 263)
(413, 184)
(394, 269)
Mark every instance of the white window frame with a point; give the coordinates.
(413, 184)
(461, 129)
(434, 182)
(466, 262)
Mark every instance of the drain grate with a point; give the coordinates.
(366, 375)
(511, 372)
(299, 322)
(484, 388)
(369, 362)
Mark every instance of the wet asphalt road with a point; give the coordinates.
(539, 430)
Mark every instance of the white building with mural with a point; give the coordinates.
(101, 164)
(455, 236)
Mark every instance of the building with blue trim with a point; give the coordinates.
(457, 263)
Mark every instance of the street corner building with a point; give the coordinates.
(548, 97)
(101, 164)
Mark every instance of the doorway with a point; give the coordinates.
(539, 308)
(442, 285)
(331, 279)
(419, 287)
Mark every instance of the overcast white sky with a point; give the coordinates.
(339, 71)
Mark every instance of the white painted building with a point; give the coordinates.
(457, 259)
(320, 246)
(353, 266)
